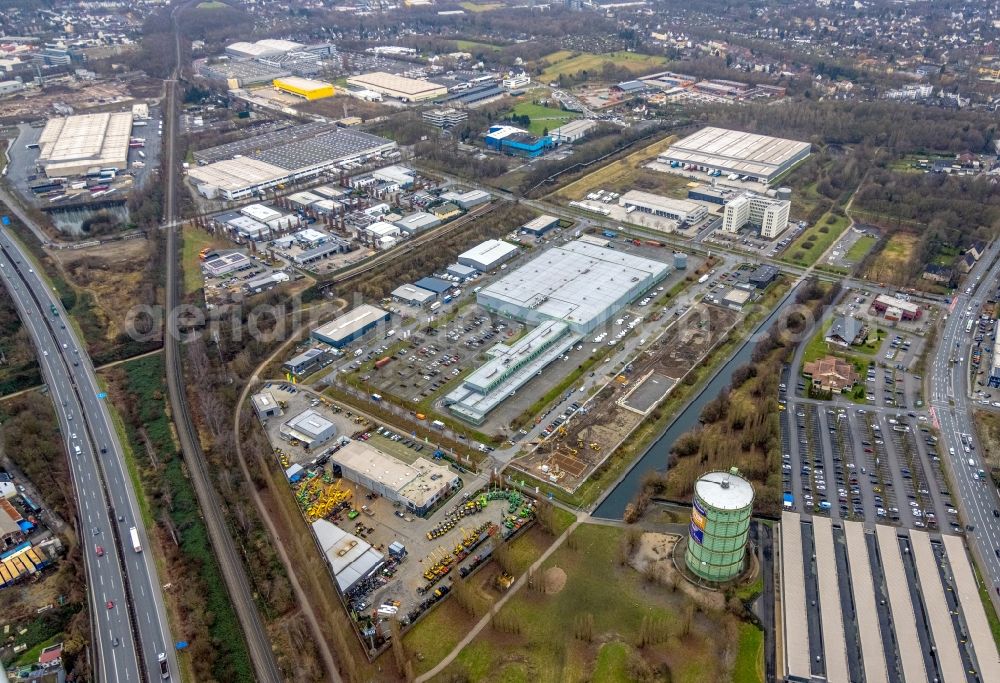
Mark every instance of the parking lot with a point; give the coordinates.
(863, 464)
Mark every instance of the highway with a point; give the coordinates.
(128, 619)
(951, 406)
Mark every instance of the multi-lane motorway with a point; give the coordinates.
(950, 401)
(130, 631)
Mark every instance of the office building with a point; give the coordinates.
(517, 142)
(767, 214)
(445, 118)
(516, 81)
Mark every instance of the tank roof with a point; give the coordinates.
(724, 490)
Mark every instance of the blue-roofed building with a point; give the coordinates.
(517, 142)
(434, 284)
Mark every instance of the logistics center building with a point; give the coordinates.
(758, 157)
(398, 87)
(74, 145)
(298, 158)
(354, 324)
(579, 283)
(305, 88)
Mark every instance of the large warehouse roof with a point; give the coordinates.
(398, 86)
(352, 321)
(577, 282)
(73, 145)
(487, 254)
(234, 174)
(351, 558)
(745, 153)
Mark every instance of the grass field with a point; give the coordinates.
(816, 240)
(481, 7)
(565, 62)
(892, 263)
(628, 173)
(543, 117)
(474, 45)
(194, 241)
(860, 248)
(542, 645)
(750, 658)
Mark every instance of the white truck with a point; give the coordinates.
(134, 534)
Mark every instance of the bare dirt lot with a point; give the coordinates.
(116, 275)
(579, 445)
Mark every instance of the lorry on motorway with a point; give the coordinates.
(134, 534)
(436, 305)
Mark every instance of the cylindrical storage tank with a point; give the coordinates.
(785, 193)
(680, 261)
(720, 522)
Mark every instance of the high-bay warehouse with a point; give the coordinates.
(757, 157)
(245, 167)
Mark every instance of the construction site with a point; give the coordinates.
(582, 441)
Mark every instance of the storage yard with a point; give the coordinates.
(583, 437)
(363, 491)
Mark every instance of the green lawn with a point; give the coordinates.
(860, 248)
(561, 63)
(612, 663)
(475, 7)
(543, 118)
(814, 242)
(475, 45)
(194, 241)
(544, 646)
(749, 667)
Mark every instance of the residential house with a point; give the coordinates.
(847, 331)
(831, 373)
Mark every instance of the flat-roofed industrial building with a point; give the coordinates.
(759, 157)
(413, 295)
(487, 255)
(351, 559)
(74, 145)
(579, 283)
(288, 161)
(352, 325)
(310, 428)
(540, 225)
(681, 210)
(398, 87)
(417, 486)
(305, 88)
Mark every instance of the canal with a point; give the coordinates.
(655, 458)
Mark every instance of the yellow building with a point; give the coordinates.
(305, 88)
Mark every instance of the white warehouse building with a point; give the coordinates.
(578, 283)
(770, 215)
(487, 255)
(681, 210)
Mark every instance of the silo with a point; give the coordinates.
(680, 261)
(720, 521)
(785, 193)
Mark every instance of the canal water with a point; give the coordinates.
(655, 458)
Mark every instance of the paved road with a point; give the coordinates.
(117, 574)
(949, 392)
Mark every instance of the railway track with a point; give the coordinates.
(230, 562)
